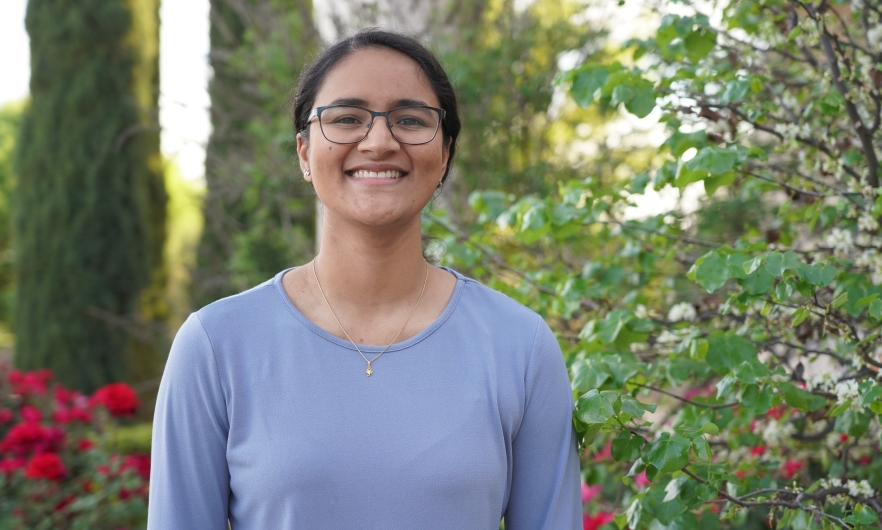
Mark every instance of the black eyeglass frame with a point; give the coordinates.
(317, 112)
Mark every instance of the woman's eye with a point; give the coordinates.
(346, 120)
(410, 121)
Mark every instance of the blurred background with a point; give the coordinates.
(155, 171)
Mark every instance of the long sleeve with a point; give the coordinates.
(189, 476)
(545, 492)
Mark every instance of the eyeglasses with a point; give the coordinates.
(348, 124)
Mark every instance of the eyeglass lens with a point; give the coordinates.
(409, 125)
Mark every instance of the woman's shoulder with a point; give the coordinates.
(244, 310)
(481, 299)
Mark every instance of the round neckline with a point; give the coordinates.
(365, 348)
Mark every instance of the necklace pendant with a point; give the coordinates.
(369, 371)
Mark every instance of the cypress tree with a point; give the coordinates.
(90, 201)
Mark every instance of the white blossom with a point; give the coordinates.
(867, 223)
(859, 489)
(874, 37)
(775, 432)
(682, 311)
(846, 390)
(840, 240)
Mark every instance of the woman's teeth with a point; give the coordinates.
(361, 174)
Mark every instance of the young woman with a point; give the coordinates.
(367, 389)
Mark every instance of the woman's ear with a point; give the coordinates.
(303, 156)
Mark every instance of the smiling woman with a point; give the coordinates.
(367, 389)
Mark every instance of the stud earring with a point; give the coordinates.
(307, 173)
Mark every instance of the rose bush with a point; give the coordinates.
(56, 467)
(725, 360)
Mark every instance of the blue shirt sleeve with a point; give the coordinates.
(189, 476)
(545, 486)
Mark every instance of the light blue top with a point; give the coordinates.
(267, 420)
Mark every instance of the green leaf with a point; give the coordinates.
(713, 160)
(865, 301)
(710, 271)
(727, 350)
(699, 43)
(751, 370)
(610, 327)
(838, 409)
(840, 300)
(596, 406)
(713, 183)
(668, 453)
(775, 263)
(784, 290)
(751, 265)
(589, 374)
(634, 408)
(871, 395)
(587, 81)
(801, 399)
(758, 401)
(735, 90)
(861, 515)
(702, 448)
(795, 32)
(626, 446)
(759, 282)
(799, 316)
(709, 428)
(643, 101)
(875, 309)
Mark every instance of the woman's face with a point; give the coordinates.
(345, 176)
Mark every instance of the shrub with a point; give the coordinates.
(57, 468)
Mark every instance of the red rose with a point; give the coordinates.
(593, 522)
(28, 383)
(140, 463)
(85, 444)
(791, 468)
(45, 466)
(63, 503)
(5, 416)
(31, 414)
(118, 398)
(23, 438)
(9, 465)
(64, 415)
(759, 450)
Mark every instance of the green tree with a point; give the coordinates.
(259, 213)
(90, 202)
(750, 392)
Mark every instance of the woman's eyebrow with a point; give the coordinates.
(358, 102)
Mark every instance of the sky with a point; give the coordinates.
(184, 74)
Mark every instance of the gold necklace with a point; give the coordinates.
(369, 370)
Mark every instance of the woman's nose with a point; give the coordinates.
(379, 137)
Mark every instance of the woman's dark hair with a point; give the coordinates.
(314, 75)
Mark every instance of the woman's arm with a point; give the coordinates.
(189, 477)
(545, 486)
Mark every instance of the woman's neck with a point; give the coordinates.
(367, 268)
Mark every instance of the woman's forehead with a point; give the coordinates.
(376, 76)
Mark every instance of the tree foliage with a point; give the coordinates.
(729, 377)
(259, 213)
(90, 201)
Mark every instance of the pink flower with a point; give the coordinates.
(589, 492)
(640, 481)
(593, 522)
(5, 416)
(604, 454)
(759, 450)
